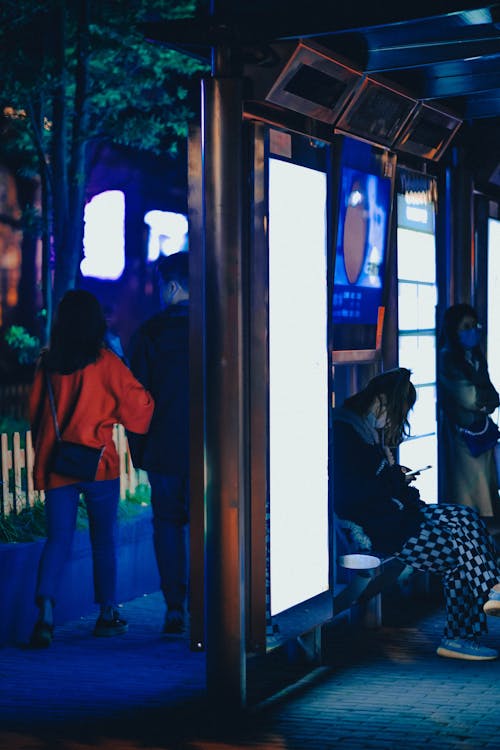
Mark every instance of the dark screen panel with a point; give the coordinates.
(314, 85)
(428, 133)
(377, 113)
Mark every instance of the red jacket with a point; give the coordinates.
(88, 402)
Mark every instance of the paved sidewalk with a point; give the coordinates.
(381, 689)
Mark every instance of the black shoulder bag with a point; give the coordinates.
(72, 459)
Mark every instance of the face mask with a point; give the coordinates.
(379, 422)
(469, 338)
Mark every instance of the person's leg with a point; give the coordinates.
(468, 519)
(61, 507)
(169, 500)
(102, 500)
(452, 543)
(476, 552)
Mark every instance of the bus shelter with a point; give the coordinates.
(291, 187)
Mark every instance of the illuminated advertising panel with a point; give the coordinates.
(298, 388)
(361, 248)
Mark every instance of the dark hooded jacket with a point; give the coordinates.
(159, 356)
(367, 489)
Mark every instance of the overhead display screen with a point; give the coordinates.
(298, 387)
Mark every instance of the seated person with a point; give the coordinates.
(370, 489)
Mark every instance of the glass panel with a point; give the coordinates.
(298, 389)
(418, 354)
(419, 453)
(417, 306)
(416, 256)
(493, 349)
(426, 309)
(417, 312)
(407, 305)
(423, 414)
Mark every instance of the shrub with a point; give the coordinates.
(29, 524)
(25, 346)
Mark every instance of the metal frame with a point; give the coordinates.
(225, 382)
(218, 381)
(259, 412)
(368, 356)
(369, 85)
(196, 394)
(403, 142)
(362, 356)
(315, 612)
(313, 56)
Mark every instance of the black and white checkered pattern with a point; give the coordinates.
(454, 542)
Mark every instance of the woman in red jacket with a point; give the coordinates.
(92, 391)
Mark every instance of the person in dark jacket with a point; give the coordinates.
(371, 490)
(466, 397)
(159, 356)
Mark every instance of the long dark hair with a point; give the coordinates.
(399, 395)
(77, 334)
(449, 336)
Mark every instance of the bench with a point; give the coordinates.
(368, 573)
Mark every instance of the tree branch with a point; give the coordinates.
(36, 126)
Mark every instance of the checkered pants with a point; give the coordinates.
(454, 542)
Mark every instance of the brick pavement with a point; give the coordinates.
(380, 689)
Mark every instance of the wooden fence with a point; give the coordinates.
(17, 471)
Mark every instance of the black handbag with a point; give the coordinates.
(481, 436)
(72, 459)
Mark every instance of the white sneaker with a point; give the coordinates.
(492, 605)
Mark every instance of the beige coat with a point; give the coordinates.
(469, 480)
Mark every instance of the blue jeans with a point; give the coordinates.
(170, 504)
(61, 506)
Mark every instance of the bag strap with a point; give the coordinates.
(480, 432)
(52, 403)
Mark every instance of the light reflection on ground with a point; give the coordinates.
(12, 741)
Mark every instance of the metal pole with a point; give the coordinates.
(196, 393)
(224, 401)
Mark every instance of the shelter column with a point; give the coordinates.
(224, 389)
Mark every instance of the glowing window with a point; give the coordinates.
(168, 233)
(417, 302)
(493, 350)
(104, 236)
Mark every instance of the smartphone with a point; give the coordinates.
(417, 471)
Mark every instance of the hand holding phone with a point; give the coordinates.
(415, 472)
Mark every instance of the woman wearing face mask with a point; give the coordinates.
(370, 489)
(466, 397)
(377, 491)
